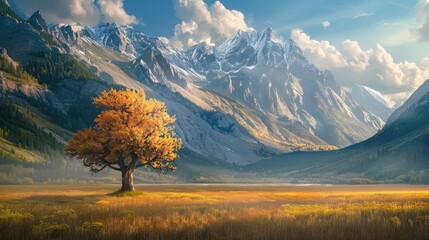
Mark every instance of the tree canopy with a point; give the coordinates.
(130, 132)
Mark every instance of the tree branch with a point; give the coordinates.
(96, 170)
(107, 164)
(114, 168)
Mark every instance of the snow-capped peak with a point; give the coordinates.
(196, 51)
(372, 101)
(74, 27)
(264, 48)
(270, 35)
(375, 94)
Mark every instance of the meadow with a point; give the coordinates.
(214, 212)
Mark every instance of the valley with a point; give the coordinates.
(251, 109)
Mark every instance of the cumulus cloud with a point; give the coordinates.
(423, 20)
(203, 23)
(85, 12)
(318, 50)
(65, 11)
(373, 67)
(113, 11)
(326, 24)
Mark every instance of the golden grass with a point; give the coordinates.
(214, 212)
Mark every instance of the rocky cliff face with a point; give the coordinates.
(38, 21)
(69, 35)
(114, 37)
(266, 73)
(27, 94)
(20, 39)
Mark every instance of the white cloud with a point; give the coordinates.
(373, 67)
(203, 23)
(164, 40)
(422, 20)
(113, 11)
(361, 15)
(399, 37)
(318, 50)
(326, 24)
(85, 12)
(64, 11)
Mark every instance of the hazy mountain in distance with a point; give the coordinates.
(372, 101)
(399, 153)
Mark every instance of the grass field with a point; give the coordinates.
(214, 212)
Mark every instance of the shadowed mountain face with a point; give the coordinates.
(399, 153)
(38, 22)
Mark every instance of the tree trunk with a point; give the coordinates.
(127, 181)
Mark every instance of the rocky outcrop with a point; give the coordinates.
(113, 36)
(21, 40)
(28, 95)
(69, 35)
(37, 21)
(5, 56)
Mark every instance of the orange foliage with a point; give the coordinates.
(130, 132)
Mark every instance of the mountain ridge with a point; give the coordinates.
(248, 99)
(161, 63)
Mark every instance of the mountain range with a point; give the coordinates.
(256, 82)
(245, 102)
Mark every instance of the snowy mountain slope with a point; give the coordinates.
(372, 101)
(204, 131)
(142, 48)
(259, 81)
(264, 72)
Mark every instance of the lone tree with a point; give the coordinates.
(131, 132)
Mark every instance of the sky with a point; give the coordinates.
(383, 44)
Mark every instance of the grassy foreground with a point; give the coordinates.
(214, 212)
